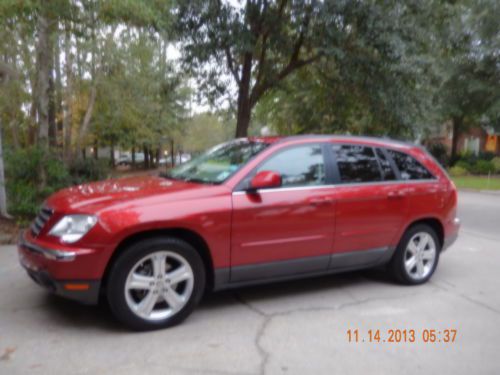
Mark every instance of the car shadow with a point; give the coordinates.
(77, 316)
(296, 288)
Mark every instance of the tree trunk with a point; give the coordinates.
(93, 90)
(172, 155)
(244, 103)
(112, 155)
(133, 157)
(3, 193)
(68, 108)
(152, 162)
(146, 156)
(96, 149)
(58, 90)
(15, 135)
(43, 64)
(243, 119)
(456, 128)
(52, 112)
(86, 119)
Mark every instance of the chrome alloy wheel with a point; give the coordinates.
(420, 256)
(159, 285)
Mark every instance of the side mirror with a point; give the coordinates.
(265, 180)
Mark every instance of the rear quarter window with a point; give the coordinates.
(409, 167)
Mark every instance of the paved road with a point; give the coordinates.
(292, 328)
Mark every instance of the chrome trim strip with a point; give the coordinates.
(39, 222)
(61, 256)
(280, 241)
(377, 183)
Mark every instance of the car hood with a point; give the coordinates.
(94, 196)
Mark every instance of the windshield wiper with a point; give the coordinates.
(198, 180)
(168, 175)
(187, 179)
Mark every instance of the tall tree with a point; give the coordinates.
(44, 58)
(377, 77)
(470, 93)
(261, 42)
(6, 74)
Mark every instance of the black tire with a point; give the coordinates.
(397, 264)
(120, 269)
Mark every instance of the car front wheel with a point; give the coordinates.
(417, 255)
(156, 283)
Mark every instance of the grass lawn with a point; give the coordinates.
(477, 182)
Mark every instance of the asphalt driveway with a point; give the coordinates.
(296, 327)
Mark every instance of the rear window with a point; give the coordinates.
(356, 163)
(409, 167)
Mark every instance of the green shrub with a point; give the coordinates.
(464, 165)
(496, 164)
(486, 155)
(24, 184)
(23, 179)
(458, 171)
(472, 158)
(85, 170)
(483, 167)
(468, 157)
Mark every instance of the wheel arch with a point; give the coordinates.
(434, 223)
(188, 235)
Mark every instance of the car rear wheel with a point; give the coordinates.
(417, 255)
(156, 283)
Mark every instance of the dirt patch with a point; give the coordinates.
(9, 230)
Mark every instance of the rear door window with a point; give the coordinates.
(356, 163)
(409, 167)
(385, 166)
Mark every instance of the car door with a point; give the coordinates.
(371, 205)
(286, 230)
(424, 191)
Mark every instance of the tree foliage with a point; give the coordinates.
(379, 52)
(86, 73)
(261, 43)
(470, 64)
(377, 79)
(82, 74)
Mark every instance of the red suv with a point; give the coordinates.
(249, 211)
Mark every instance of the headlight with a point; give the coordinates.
(73, 227)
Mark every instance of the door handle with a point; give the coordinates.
(320, 201)
(396, 194)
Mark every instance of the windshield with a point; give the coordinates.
(219, 163)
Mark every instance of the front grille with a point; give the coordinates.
(43, 216)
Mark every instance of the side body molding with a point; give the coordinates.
(261, 273)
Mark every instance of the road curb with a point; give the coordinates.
(491, 192)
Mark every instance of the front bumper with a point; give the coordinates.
(49, 268)
(51, 254)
